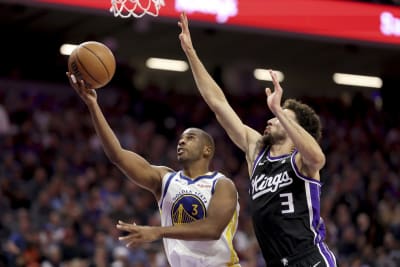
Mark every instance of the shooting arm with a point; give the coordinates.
(131, 164)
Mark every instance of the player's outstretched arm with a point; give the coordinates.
(240, 134)
(312, 157)
(131, 164)
(220, 211)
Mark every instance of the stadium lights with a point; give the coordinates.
(263, 75)
(167, 64)
(357, 80)
(66, 49)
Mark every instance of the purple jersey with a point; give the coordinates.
(286, 209)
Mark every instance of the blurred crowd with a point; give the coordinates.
(60, 197)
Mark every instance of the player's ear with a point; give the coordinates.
(207, 151)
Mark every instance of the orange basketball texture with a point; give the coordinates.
(92, 62)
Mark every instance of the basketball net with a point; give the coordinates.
(134, 8)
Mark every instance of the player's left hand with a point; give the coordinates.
(137, 234)
(184, 36)
(274, 98)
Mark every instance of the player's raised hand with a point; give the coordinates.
(184, 36)
(87, 95)
(137, 234)
(274, 98)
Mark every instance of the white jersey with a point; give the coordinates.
(185, 200)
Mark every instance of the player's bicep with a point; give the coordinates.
(222, 205)
(140, 171)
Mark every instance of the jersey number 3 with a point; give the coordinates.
(287, 203)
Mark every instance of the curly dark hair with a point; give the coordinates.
(306, 117)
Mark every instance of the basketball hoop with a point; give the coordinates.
(134, 8)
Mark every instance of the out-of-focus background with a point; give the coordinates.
(60, 197)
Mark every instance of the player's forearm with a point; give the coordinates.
(109, 141)
(303, 141)
(190, 232)
(208, 88)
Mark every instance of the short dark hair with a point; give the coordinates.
(209, 140)
(306, 117)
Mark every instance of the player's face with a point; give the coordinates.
(274, 131)
(190, 146)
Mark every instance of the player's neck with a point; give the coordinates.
(195, 170)
(281, 149)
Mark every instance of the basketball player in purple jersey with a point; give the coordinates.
(283, 163)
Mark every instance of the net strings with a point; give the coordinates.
(121, 9)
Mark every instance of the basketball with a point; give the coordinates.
(92, 62)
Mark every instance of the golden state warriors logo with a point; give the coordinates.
(187, 209)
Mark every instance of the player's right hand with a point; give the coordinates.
(88, 95)
(274, 98)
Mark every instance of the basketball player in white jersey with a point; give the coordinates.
(199, 208)
(283, 163)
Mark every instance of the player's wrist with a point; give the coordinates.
(91, 103)
(277, 111)
(160, 233)
(190, 51)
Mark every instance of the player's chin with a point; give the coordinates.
(182, 159)
(267, 139)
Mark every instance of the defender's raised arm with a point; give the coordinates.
(243, 136)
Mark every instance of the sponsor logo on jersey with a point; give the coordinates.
(262, 162)
(204, 185)
(262, 184)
